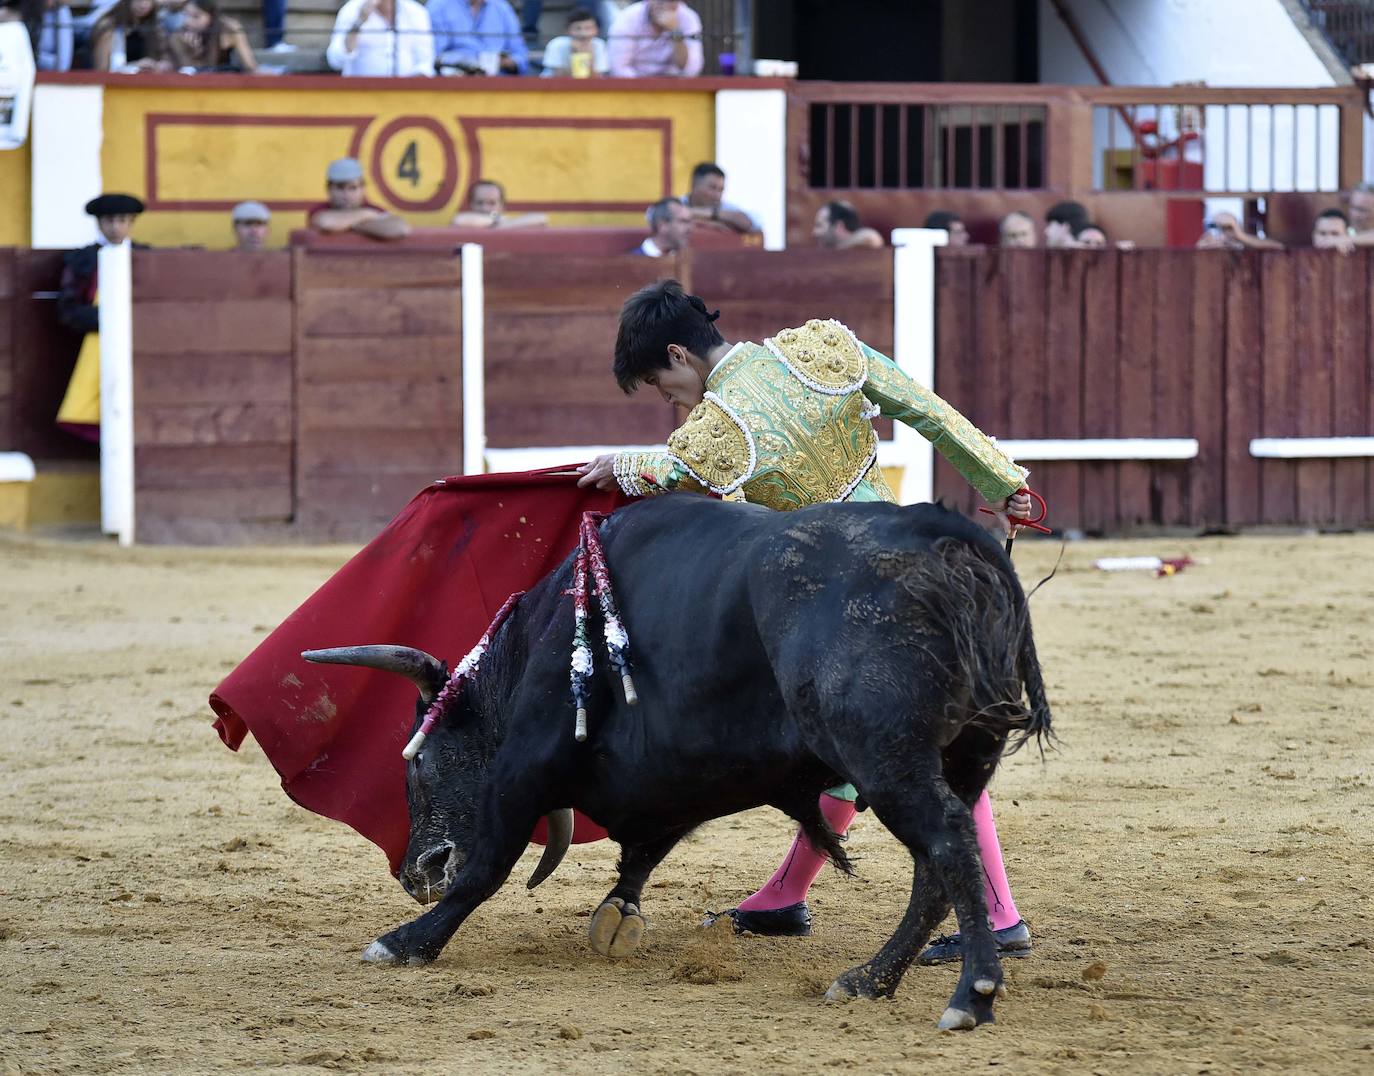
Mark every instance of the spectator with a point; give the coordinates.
(670, 225)
(211, 41)
(1090, 236)
(1359, 207)
(1061, 221)
(1331, 231)
(129, 37)
(579, 52)
(56, 37)
(1225, 233)
(949, 223)
(479, 37)
(837, 227)
(656, 39)
(348, 209)
(486, 208)
(1016, 231)
(76, 309)
(706, 201)
(251, 222)
(382, 38)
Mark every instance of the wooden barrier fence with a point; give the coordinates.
(308, 394)
(1217, 346)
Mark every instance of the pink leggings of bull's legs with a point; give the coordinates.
(792, 880)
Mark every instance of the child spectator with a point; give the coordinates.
(209, 40)
(579, 53)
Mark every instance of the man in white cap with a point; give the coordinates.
(348, 209)
(251, 220)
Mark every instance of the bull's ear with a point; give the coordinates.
(423, 670)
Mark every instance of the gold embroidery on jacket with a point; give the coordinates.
(714, 446)
(823, 355)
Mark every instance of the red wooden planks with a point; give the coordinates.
(1278, 370)
(1136, 365)
(1243, 391)
(1204, 416)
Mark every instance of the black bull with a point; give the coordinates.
(776, 655)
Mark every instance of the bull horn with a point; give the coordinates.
(422, 670)
(555, 845)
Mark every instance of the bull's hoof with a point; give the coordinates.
(857, 983)
(958, 1020)
(392, 949)
(377, 953)
(616, 929)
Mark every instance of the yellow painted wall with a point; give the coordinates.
(584, 157)
(14, 197)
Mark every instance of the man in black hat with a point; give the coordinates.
(76, 309)
(114, 215)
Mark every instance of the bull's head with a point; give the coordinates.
(443, 778)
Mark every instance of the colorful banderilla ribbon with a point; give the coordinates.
(465, 670)
(591, 574)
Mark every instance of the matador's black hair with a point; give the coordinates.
(651, 319)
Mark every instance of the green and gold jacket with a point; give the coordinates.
(789, 424)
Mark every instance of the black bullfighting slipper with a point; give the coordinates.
(794, 921)
(1014, 940)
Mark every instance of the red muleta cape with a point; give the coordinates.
(432, 579)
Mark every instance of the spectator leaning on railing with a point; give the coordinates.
(1331, 231)
(1225, 233)
(486, 208)
(1061, 220)
(707, 202)
(382, 38)
(129, 36)
(837, 227)
(656, 39)
(348, 209)
(479, 36)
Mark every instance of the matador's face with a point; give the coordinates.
(680, 384)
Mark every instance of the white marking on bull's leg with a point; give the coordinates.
(377, 953)
(957, 1020)
(984, 986)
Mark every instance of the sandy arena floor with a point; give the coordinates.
(1194, 861)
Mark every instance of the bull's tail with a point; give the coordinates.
(968, 596)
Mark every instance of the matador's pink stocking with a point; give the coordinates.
(1002, 911)
(803, 863)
